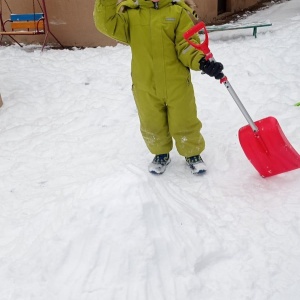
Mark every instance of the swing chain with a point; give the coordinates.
(8, 6)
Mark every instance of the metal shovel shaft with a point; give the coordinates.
(236, 98)
(240, 105)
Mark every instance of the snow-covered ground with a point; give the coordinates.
(82, 219)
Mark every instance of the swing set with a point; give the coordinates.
(36, 23)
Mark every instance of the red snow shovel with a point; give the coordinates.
(263, 141)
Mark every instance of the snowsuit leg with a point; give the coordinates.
(153, 121)
(183, 122)
(162, 119)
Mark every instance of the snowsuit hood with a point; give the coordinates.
(188, 5)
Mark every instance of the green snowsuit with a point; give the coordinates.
(161, 63)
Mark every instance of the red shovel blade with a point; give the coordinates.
(268, 150)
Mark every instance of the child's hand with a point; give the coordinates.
(211, 68)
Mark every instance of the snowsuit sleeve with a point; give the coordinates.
(187, 54)
(109, 22)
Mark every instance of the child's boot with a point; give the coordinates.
(159, 164)
(196, 164)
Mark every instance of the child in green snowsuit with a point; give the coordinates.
(161, 63)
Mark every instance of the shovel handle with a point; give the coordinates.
(209, 56)
(195, 30)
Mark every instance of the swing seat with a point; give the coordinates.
(25, 24)
(35, 23)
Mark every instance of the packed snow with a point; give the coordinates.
(82, 219)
